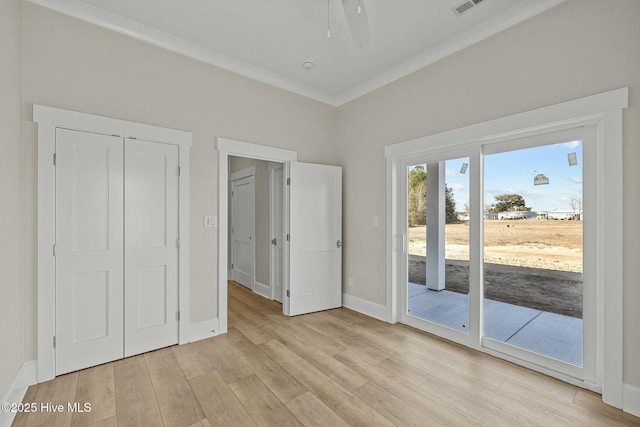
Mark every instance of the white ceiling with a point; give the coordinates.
(268, 40)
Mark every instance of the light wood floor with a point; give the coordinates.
(333, 368)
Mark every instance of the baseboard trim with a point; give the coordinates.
(262, 289)
(203, 330)
(26, 376)
(631, 399)
(371, 309)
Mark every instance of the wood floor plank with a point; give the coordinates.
(192, 361)
(343, 375)
(177, 402)
(59, 391)
(313, 413)
(265, 408)
(341, 401)
(217, 350)
(344, 337)
(218, 401)
(136, 403)
(107, 422)
(429, 402)
(248, 328)
(95, 384)
(283, 385)
(322, 342)
(394, 409)
(444, 367)
(20, 420)
(369, 336)
(592, 403)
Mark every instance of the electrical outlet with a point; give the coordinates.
(376, 221)
(210, 221)
(350, 282)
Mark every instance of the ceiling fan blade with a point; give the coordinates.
(358, 22)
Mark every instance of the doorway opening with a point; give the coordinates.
(227, 149)
(256, 209)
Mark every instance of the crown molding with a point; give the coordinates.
(119, 24)
(499, 23)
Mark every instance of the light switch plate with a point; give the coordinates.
(210, 221)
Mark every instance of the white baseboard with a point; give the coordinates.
(631, 399)
(26, 376)
(203, 330)
(371, 309)
(262, 289)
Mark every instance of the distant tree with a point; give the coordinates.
(417, 203)
(576, 204)
(450, 206)
(509, 202)
(417, 196)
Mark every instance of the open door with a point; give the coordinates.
(313, 219)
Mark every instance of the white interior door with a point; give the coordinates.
(277, 232)
(89, 249)
(243, 230)
(314, 279)
(151, 246)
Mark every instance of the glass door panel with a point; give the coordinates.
(438, 242)
(533, 250)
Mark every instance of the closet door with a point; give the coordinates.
(151, 246)
(89, 249)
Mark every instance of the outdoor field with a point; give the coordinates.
(532, 263)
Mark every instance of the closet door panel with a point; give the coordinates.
(151, 246)
(89, 249)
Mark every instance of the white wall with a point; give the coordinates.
(11, 308)
(579, 48)
(262, 212)
(74, 65)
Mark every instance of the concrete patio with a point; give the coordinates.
(550, 334)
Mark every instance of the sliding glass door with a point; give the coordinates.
(500, 248)
(438, 242)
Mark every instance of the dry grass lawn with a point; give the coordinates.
(551, 244)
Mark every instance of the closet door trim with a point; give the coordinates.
(48, 120)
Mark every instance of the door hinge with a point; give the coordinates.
(288, 238)
(178, 315)
(54, 250)
(232, 266)
(288, 294)
(274, 241)
(54, 159)
(288, 181)
(178, 243)
(54, 342)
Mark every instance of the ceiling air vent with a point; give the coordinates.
(464, 7)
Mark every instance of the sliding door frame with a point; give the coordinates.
(604, 111)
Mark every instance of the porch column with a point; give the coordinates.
(435, 267)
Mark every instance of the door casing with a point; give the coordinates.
(276, 230)
(49, 119)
